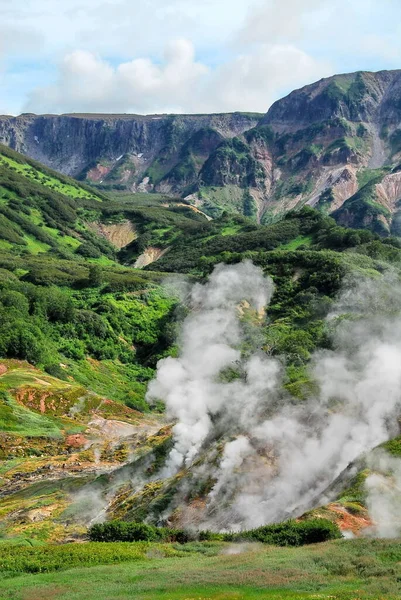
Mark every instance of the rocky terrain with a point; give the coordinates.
(334, 144)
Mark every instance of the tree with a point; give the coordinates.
(95, 276)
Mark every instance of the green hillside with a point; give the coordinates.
(82, 331)
(42, 212)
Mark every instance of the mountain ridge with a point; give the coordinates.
(319, 145)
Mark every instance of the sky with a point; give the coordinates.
(184, 56)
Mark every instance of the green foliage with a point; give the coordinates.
(250, 206)
(262, 133)
(294, 533)
(45, 559)
(345, 569)
(232, 162)
(362, 211)
(120, 531)
(288, 533)
(326, 197)
(95, 276)
(41, 211)
(88, 250)
(393, 447)
(49, 325)
(17, 419)
(356, 491)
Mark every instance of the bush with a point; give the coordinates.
(289, 533)
(88, 250)
(56, 371)
(74, 349)
(120, 531)
(294, 533)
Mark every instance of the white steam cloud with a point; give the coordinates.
(210, 343)
(384, 495)
(278, 457)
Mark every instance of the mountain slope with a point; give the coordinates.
(78, 440)
(125, 151)
(320, 145)
(45, 213)
(81, 338)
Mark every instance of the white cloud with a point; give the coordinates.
(180, 84)
(122, 27)
(254, 80)
(107, 55)
(88, 83)
(270, 21)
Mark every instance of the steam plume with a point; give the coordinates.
(384, 495)
(278, 457)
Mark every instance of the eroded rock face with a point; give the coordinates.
(314, 146)
(356, 97)
(118, 234)
(75, 143)
(148, 256)
(388, 191)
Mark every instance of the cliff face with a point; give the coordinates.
(79, 144)
(320, 145)
(335, 141)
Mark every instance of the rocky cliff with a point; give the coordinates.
(329, 144)
(129, 151)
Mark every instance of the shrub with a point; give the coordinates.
(74, 349)
(289, 533)
(294, 533)
(55, 370)
(120, 531)
(88, 250)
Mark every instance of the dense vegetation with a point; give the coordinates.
(91, 330)
(68, 311)
(65, 300)
(289, 533)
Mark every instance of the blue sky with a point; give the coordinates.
(149, 56)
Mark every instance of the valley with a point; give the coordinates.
(200, 336)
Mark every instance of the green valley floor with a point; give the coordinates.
(340, 570)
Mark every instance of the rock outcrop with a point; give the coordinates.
(319, 145)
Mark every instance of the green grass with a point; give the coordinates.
(216, 199)
(343, 570)
(65, 241)
(15, 418)
(34, 246)
(230, 230)
(141, 198)
(68, 189)
(301, 240)
(4, 245)
(365, 176)
(393, 447)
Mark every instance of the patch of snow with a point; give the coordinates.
(120, 157)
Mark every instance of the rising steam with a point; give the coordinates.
(277, 457)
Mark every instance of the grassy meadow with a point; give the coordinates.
(340, 570)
